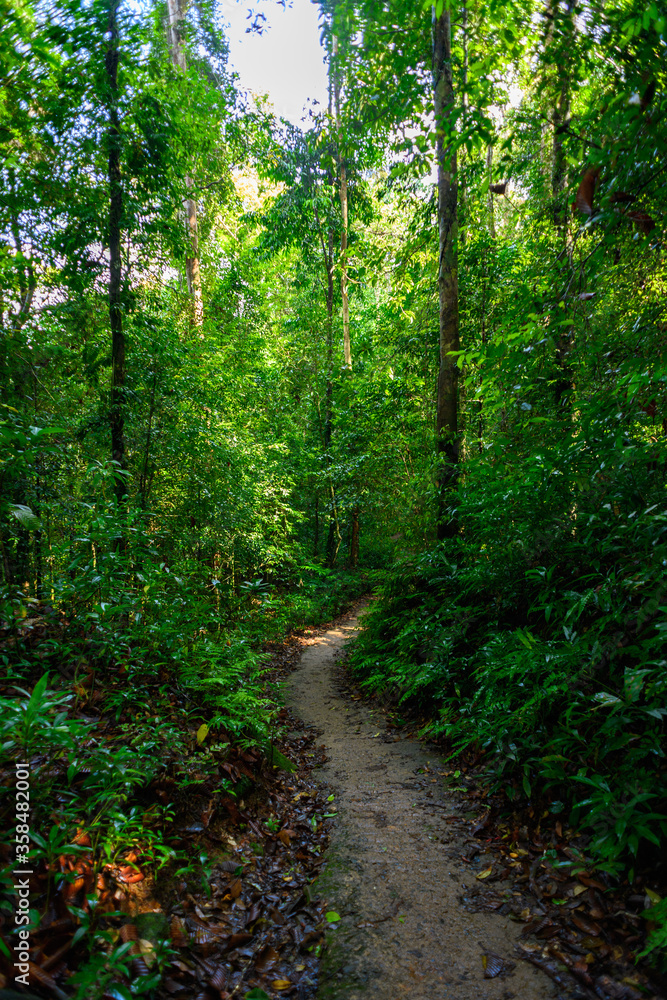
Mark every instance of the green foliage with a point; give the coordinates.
(656, 944)
(228, 675)
(556, 672)
(255, 459)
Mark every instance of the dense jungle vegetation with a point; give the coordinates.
(250, 371)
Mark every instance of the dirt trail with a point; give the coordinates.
(394, 871)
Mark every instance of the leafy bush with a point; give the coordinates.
(541, 648)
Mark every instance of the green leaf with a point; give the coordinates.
(118, 992)
(279, 760)
(25, 516)
(332, 917)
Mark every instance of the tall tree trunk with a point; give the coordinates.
(316, 540)
(447, 408)
(560, 40)
(490, 207)
(114, 140)
(144, 482)
(176, 14)
(342, 195)
(559, 165)
(354, 540)
(343, 265)
(334, 537)
(462, 206)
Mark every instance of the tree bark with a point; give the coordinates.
(114, 141)
(448, 443)
(192, 272)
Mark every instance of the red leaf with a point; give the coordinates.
(586, 190)
(642, 221)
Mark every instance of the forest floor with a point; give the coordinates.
(423, 904)
(354, 862)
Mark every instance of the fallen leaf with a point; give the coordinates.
(236, 940)
(591, 882)
(485, 873)
(230, 866)
(267, 957)
(332, 917)
(492, 965)
(219, 979)
(587, 926)
(281, 984)
(179, 938)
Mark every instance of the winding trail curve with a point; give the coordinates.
(394, 871)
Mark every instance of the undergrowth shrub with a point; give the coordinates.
(541, 647)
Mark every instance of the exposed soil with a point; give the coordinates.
(394, 871)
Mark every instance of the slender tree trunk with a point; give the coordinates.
(447, 408)
(26, 274)
(342, 195)
(483, 331)
(560, 39)
(334, 537)
(559, 165)
(114, 140)
(343, 266)
(144, 482)
(192, 272)
(563, 39)
(354, 540)
(316, 540)
(490, 207)
(328, 406)
(462, 207)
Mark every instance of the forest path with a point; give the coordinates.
(394, 871)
